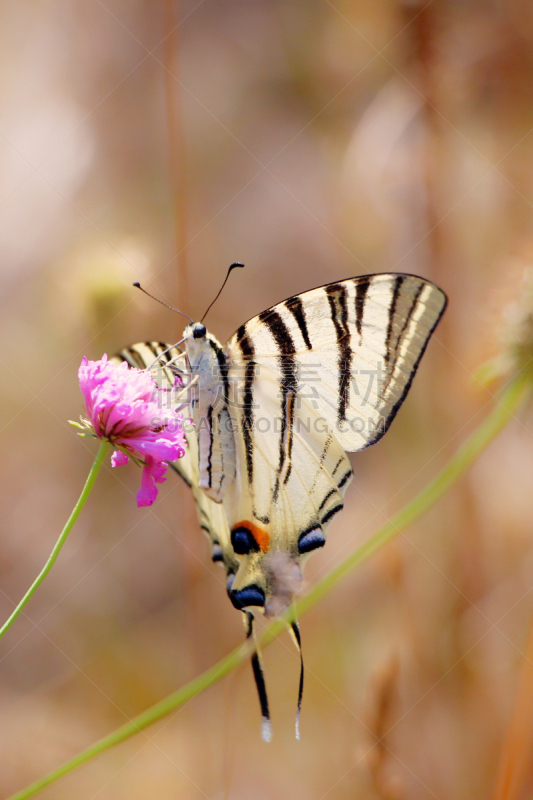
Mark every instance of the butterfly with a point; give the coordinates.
(275, 411)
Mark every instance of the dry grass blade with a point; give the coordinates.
(516, 750)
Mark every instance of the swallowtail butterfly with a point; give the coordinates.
(275, 410)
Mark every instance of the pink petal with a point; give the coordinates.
(160, 449)
(158, 471)
(154, 472)
(148, 491)
(119, 459)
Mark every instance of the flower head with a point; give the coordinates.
(122, 407)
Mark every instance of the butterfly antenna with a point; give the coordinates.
(233, 266)
(138, 286)
(295, 631)
(259, 677)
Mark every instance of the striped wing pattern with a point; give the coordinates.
(351, 347)
(321, 373)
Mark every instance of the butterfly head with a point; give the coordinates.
(198, 343)
(195, 331)
(198, 330)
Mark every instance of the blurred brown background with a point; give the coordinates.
(314, 141)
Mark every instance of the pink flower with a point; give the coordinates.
(122, 407)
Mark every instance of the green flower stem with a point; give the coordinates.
(95, 469)
(507, 406)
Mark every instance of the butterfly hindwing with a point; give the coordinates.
(284, 495)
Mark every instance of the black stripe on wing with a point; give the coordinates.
(326, 498)
(395, 408)
(288, 387)
(210, 453)
(361, 289)
(296, 307)
(290, 435)
(392, 312)
(223, 367)
(337, 295)
(331, 513)
(337, 465)
(248, 352)
(133, 357)
(345, 478)
(408, 317)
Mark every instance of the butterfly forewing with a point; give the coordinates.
(351, 348)
(211, 515)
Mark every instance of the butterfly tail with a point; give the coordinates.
(259, 677)
(295, 631)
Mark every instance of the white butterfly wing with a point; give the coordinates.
(352, 348)
(211, 515)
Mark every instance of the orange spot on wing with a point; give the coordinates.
(261, 536)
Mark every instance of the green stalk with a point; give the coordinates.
(507, 406)
(95, 469)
